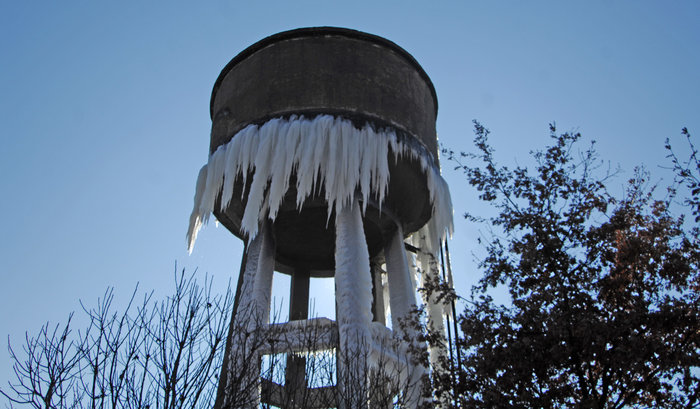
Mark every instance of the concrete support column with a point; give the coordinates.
(353, 288)
(248, 332)
(402, 298)
(402, 301)
(295, 372)
(378, 308)
(262, 292)
(431, 276)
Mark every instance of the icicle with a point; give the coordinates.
(366, 162)
(324, 152)
(322, 126)
(230, 172)
(250, 143)
(263, 168)
(215, 176)
(196, 216)
(351, 154)
(284, 150)
(381, 169)
(329, 173)
(305, 155)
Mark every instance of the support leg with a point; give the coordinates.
(354, 301)
(431, 278)
(378, 309)
(295, 372)
(223, 374)
(402, 301)
(247, 333)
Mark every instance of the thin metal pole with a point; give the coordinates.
(449, 330)
(454, 310)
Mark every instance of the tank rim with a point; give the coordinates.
(319, 32)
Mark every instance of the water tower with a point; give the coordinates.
(324, 161)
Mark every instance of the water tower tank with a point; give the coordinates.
(323, 140)
(362, 78)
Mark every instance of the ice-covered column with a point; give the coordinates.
(378, 309)
(431, 277)
(402, 301)
(354, 301)
(402, 297)
(243, 389)
(262, 292)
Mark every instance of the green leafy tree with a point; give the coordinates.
(604, 291)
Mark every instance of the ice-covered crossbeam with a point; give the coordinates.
(325, 153)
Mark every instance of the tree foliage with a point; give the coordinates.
(687, 173)
(604, 291)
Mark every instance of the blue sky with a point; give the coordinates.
(104, 118)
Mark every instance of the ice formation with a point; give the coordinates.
(429, 273)
(353, 298)
(352, 275)
(402, 294)
(253, 312)
(324, 152)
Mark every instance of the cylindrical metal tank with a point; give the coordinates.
(345, 73)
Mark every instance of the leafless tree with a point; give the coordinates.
(160, 355)
(168, 354)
